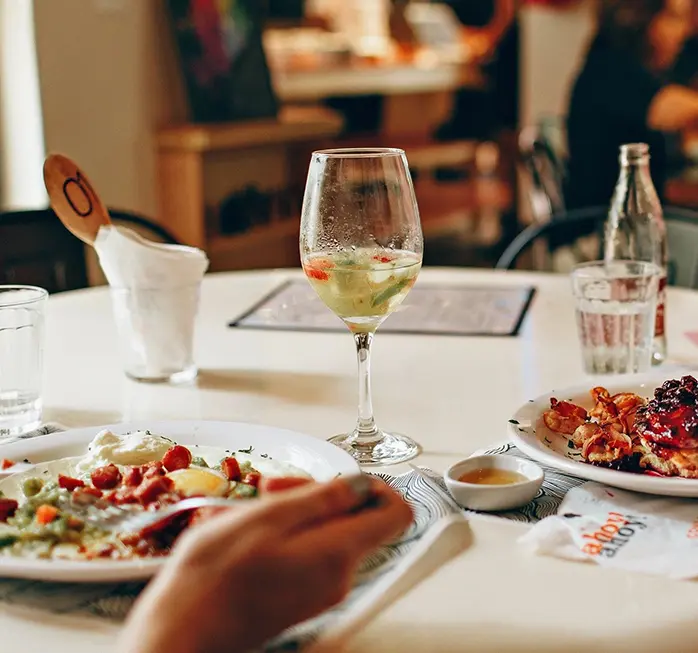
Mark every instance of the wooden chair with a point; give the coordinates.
(36, 249)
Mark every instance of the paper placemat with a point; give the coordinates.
(114, 600)
(438, 310)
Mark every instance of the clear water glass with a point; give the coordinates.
(616, 311)
(21, 358)
(156, 332)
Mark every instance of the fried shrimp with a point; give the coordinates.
(628, 404)
(564, 417)
(606, 445)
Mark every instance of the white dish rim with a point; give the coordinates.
(527, 416)
(140, 569)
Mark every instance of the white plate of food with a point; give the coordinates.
(636, 433)
(146, 465)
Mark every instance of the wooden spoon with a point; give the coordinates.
(73, 198)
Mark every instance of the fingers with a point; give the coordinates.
(357, 513)
(296, 508)
(355, 535)
(281, 484)
(318, 502)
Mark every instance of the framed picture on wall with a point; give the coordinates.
(223, 59)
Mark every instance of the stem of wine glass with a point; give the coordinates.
(366, 430)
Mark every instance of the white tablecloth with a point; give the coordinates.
(454, 395)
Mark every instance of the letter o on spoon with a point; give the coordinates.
(73, 198)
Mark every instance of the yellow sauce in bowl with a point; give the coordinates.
(492, 476)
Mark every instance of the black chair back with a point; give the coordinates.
(682, 238)
(36, 249)
(543, 174)
(144, 226)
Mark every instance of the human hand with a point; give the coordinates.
(479, 43)
(244, 575)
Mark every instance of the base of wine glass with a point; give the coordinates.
(390, 449)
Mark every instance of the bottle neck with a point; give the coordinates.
(634, 166)
(635, 163)
(635, 187)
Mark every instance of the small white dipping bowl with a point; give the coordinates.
(493, 498)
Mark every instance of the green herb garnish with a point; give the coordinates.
(570, 444)
(513, 421)
(7, 540)
(248, 450)
(389, 292)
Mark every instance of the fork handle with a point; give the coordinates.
(446, 539)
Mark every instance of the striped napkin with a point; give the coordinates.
(113, 601)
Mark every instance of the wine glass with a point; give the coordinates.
(361, 249)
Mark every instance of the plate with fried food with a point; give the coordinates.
(637, 433)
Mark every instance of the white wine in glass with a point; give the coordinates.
(361, 248)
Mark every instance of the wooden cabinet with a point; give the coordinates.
(200, 166)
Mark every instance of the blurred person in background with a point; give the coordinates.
(626, 92)
(686, 68)
(490, 33)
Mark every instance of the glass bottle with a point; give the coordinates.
(635, 228)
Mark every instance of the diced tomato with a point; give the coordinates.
(231, 468)
(86, 495)
(46, 513)
(69, 483)
(252, 478)
(106, 551)
(106, 478)
(165, 499)
(177, 457)
(321, 263)
(129, 539)
(151, 488)
(132, 476)
(6, 464)
(7, 508)
(112, 496)
(314, 273)
(125, 495)
(382, 258)
(153, 470)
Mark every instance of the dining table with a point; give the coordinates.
(453, 394)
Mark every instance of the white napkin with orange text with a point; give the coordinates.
(614, 528)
